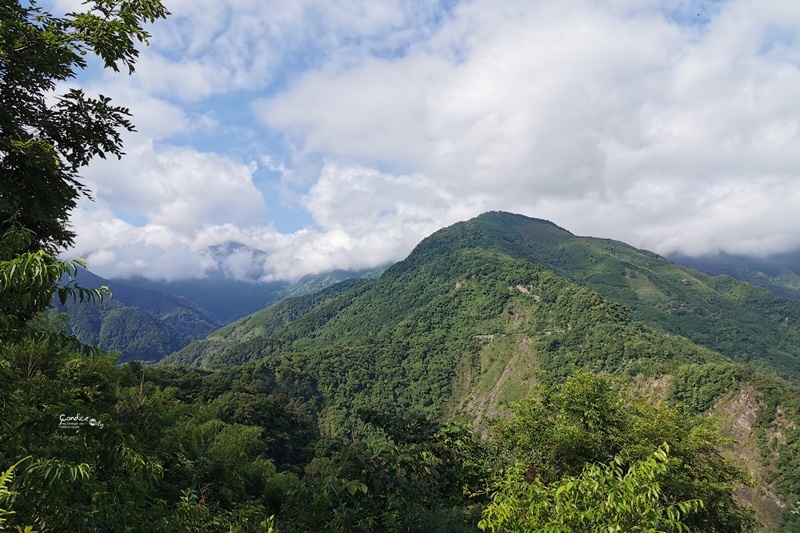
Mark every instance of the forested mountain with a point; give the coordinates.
(149, 323)
(736, 319)
(140, 323)
(482, 310)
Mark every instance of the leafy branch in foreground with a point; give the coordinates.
(29, 281)
(47, 137)
(603, 498)
(560, 429)
(5, 493)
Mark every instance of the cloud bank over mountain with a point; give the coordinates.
(337, 135)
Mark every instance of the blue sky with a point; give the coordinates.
(338, 134)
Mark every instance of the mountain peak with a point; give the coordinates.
(511, 219)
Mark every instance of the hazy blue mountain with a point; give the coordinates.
(148, 320)
(140, 323)
(224, 298)
(229, 294)
(779, 273)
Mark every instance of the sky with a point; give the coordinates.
(337, 134)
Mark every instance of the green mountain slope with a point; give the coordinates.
(482, 310)
(148, 324)
(140, 323)
(399, 341)
(736, 319)
(134, 333)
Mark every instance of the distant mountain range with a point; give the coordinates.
(779, 273)
(138, 322)
(148, 320)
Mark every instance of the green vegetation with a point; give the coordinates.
(697, 388)
(211, 451)
(148, 324)
(138, 323)
(739, 320)
(463, 327)
(330, 412)
(602, 498)
(426, 324)
(125, 330)
(557, 431)
(148, 449)
(29, 282)
(184, 450)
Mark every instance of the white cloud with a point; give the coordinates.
(179, 188)
(114, 248)
(382, 217)
(542, 104)
(365, 218)
(672, 126)
(209, 47)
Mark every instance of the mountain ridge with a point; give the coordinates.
(140, 323)
(779, 273)
(148, 324)
(742, 321)
(483, 310)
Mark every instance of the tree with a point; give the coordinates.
(604, 498)
(46, 138)
(28, 283)
(403, 474)
(558, 430)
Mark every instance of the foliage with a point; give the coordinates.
(47, 138)
(603, 498)
(778, 273)
(173, 450)
(29, 281)
(5, 480)
(45, 144)
(558, 430)
(411, 475)
(189, 450)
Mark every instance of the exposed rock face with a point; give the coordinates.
(737, 412)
